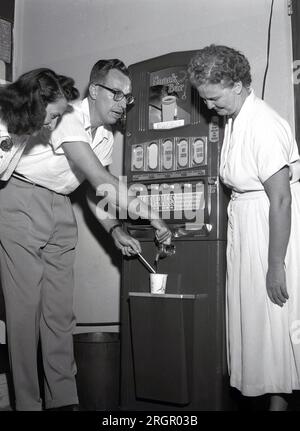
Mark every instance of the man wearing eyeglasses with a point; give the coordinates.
(42, 259)
(81, 148)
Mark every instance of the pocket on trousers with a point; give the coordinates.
(15, 202)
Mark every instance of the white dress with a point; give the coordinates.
(263, 339)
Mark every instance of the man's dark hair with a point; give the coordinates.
(102, 67)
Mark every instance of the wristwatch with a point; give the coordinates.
(114, 227)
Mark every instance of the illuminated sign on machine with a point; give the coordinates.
(174, 201)
(181, 200)
(169, 101)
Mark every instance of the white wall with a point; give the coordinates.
(71, 35)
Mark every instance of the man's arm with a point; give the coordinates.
(123, 241)
(83, 157)
(71, 138)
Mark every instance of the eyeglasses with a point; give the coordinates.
(118, 94)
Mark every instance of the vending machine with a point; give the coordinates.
(173, 350)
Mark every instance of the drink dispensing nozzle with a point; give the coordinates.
(164, 250)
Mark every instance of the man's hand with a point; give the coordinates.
(163, 233)
(127, 244)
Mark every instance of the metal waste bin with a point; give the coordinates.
(97, 356)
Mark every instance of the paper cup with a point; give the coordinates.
(158, 283)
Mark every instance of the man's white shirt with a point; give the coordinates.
(44, 161)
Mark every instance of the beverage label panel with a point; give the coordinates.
(167, 154)
(174, 201)
(171, 154)
(182, 153)
(152, 156)
(138, 157)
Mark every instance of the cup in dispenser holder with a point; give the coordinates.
(158, 283)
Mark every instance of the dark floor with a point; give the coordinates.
(241, 403)
(262, 403)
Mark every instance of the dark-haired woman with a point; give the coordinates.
(33, 103)
(36, 100)
(263, 250)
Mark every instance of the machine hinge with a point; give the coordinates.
(290, 7)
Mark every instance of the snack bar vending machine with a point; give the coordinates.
(173, 354)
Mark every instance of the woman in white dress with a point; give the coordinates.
(263, 249)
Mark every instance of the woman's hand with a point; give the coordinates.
(276, 284)
(278, 191)
(127, 244)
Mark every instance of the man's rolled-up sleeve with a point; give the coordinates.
(70, 129)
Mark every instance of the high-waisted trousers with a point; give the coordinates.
(38, 235)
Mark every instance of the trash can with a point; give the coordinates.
(97, 356)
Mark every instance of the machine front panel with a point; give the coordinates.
(173, 348)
